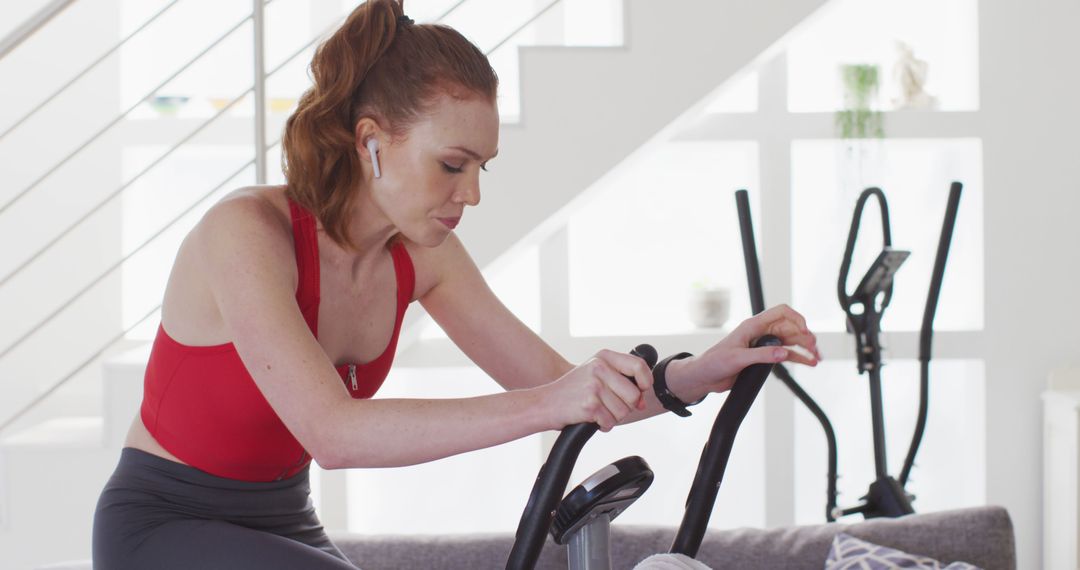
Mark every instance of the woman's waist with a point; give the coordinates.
(139, 465)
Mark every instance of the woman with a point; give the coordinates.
(282, 313)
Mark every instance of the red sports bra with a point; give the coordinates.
(202, 405)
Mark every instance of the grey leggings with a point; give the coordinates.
(156, 513)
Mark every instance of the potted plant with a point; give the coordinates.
(861, 128)
(857, 120)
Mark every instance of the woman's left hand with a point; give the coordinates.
(718, 366)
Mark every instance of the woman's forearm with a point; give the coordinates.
(682, 379)
(399, 432)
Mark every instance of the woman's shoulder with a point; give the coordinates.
(257, 204)
(242, 236)
(262, 211)
(248, 222)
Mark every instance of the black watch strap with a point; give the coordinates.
(667, 399)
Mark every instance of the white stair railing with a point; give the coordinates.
(85, 70)
(103, 130)
(32, 25)
(259, 161)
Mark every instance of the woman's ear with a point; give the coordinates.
(367, 144)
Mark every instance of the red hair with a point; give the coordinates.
(376, 65)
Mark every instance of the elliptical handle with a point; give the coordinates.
(853, 235)
(926, 333)
(749, 246)
(551, 483)
(713, 463)
(947, 225)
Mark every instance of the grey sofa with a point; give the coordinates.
(982, 536)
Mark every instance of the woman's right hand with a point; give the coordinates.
(599, 391)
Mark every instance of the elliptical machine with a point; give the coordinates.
(887, 496)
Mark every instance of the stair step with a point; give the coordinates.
(50, 477)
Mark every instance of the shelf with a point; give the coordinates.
(787, 125)
(440, 352)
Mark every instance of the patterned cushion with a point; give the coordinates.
(850, 553)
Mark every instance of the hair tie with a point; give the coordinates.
(404, 20)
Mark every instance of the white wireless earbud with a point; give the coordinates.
(373, 148)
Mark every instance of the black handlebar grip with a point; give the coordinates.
(647, 353)
(551, 484)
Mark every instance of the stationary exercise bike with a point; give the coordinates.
(887, 496)
(582, 519)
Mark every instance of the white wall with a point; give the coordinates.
(1030, 89)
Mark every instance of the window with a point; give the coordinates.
(942, 33)
(672, 447)
(953, 452)
(915, 175)
(659, 225)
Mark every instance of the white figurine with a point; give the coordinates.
(910, 74)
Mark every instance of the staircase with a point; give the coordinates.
(52, 473)
(583, 111)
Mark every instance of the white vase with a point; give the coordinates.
(710, 308)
